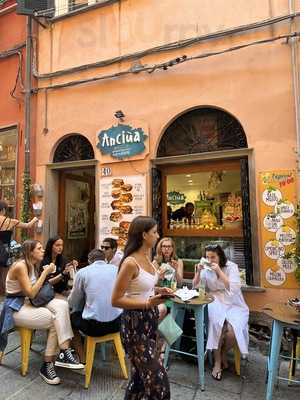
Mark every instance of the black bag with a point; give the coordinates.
(4, 256)
(5, 237)
(45, 294)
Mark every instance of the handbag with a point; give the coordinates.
(44, 295)
(169, 329)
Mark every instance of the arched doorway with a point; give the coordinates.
(200, 161)
(75, 172)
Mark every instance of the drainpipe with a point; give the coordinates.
(28, 78)
(27, 129)
(294, 57)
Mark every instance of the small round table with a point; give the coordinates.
(197, 305)
(283, 316)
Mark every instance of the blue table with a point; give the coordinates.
(197, 305)
(283, 317)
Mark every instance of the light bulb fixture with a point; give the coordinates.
(120, 115)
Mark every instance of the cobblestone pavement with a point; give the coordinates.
(107, 383)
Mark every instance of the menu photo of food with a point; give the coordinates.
(122, 199)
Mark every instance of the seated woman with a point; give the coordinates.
(168, 266)
(22, 283)
(173, 266)
(228, 314)
(53, 253)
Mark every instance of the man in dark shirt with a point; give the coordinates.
(184, 212)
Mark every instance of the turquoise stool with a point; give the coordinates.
(283, 317)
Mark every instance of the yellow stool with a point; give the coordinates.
(90, 354)
(295, 356)
(237, 359)
(26, 337)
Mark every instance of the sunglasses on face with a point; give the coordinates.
(105, 247)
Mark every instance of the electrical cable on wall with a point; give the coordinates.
(166, 65)
(167, 47)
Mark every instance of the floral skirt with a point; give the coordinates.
(149, 379)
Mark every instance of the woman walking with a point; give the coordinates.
(134, 292)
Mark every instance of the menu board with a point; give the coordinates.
(121, 200)
(278, 228)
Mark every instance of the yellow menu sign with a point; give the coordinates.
(278, 228)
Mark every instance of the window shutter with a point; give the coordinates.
(30, 7)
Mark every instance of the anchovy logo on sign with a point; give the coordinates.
(122, 141)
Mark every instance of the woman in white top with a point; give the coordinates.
(22, 280)
(135, 292)
(228, 314)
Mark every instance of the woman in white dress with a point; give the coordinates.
(228, 314)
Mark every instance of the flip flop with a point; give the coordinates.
(217, 376)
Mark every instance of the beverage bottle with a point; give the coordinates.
(201, 289)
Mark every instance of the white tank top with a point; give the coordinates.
(13, 286)
(142, 287)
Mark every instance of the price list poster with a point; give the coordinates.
(277, 191)
(121, 200)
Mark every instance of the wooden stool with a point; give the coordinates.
(295, 356)
(237, 359)
(90, 354)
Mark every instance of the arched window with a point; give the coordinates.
(73, 148)
(202, 130)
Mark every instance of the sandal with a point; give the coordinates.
(217, 376)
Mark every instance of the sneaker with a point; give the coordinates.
(48, 373)
(66, 359)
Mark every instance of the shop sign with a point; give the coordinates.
(176, 198)
(122, 141)
(278, 228)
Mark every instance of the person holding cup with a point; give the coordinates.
(228, 314)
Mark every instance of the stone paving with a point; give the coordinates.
(107, 383)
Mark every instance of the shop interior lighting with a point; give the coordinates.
(188, 176)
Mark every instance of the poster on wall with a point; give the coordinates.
(121, 200)
(278, 228)
(77, 220)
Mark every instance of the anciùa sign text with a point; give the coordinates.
(122, 141)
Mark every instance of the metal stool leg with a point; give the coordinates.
(274, 358)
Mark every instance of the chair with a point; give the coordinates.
(295, 356)
(237, 359)
(90, 354)
(26, 337)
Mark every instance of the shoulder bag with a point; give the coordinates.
(45, 294)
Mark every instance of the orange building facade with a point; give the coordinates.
(144, 107)
(12, 72)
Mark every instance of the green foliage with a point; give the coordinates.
(26, 209)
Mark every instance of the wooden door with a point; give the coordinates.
(76, 213)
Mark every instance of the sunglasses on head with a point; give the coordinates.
(105, 247)
(210, 247)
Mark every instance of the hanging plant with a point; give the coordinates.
(26, 209)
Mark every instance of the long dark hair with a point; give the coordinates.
(60, 260)
(216, 248)
(138, 226)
